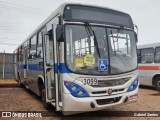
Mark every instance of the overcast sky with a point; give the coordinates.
(18, 18)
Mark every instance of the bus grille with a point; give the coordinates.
(108, 101)
(104, 92)
(109, 83)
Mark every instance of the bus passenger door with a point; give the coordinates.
(51, 69)
(58, 84)
(22, 64)
(25, 62)
(50, 63)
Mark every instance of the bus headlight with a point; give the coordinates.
(75, 89)
(133, 86)
(80, 93)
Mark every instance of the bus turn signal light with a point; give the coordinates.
(68, 84)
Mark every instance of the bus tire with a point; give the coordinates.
(157, 83)
(19, 81)
(45, 104)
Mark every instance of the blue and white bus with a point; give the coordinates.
(81, 58)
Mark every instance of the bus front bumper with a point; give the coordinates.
(73, 105)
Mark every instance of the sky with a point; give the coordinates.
(18, 18)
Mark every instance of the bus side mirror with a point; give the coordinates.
(136, 33)
(136, 37)
(59, 33)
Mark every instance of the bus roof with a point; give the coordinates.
(148, 45)
(60, 10)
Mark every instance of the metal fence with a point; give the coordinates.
(6, 66)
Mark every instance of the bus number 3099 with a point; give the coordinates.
(90, 81)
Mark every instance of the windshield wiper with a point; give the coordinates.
(116, 40)
(118, 32)
(91, 32)
(114, 46)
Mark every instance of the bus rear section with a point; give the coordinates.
(149, 65)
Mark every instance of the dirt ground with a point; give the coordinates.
(20, 99)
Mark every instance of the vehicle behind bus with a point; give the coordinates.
(149, 65)
(82, 58)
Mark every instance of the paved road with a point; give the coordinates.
(20, 99)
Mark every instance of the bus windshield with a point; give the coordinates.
(114, 45)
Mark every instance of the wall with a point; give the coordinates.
(6, 66)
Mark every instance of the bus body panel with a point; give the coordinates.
(74, 105)
(149, 70)
(147, 74)
(52, 71)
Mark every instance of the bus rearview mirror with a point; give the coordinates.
(136, 37)
(59, 33)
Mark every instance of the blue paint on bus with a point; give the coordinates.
(62, 68)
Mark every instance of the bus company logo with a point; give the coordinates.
(109, 91)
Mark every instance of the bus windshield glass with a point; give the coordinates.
(84, 51)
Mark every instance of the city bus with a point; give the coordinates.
(81, 58)
(149, 65)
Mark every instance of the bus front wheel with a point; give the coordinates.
(157, 83)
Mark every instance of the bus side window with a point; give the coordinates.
(147, 55)
(51, 57)
(139, 56)
(157, 55)
(39, 46)
(32, 52)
